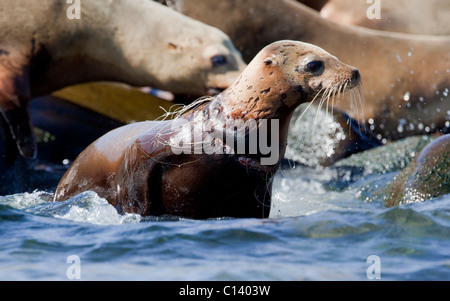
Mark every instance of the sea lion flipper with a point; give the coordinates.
(14, 101)
(18, 120)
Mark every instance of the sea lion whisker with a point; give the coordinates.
(342, 94)
(310, 103)
(268, 182)
(360, 93)
(359, 108)
(336, 91)
(326, 101)
(325, 98)
(325, 92)
(337, 95)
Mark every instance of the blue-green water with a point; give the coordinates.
(316, 232)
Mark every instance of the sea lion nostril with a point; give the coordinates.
(356, 76)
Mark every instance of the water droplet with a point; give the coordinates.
(421, 99)
(409, 53)
(401, 122)
(406, 96)
(399, 59)
(371, 121)
(411, 72)
(420, 126)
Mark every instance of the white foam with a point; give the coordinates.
(300, 192)
(86, 207)
(24, 200)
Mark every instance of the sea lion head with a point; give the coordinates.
(285, 74)
(202, 62)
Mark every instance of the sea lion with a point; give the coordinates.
(408, 16)
(206, 162)
(315, 4)
(406, 77)
(42, 50)
(428, 176)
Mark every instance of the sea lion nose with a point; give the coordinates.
(356, 76)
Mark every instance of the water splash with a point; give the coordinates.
(86, 207)
(313, 137)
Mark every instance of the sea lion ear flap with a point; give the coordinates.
(174, 47)
(271, 60)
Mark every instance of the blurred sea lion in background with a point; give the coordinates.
(42, 50)
(406, 77)
(427, 176)
(315, 4)
(409, 16)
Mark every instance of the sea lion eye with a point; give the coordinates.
(314, 66)
(218, 60)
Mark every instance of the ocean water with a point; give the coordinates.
(325, 224)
